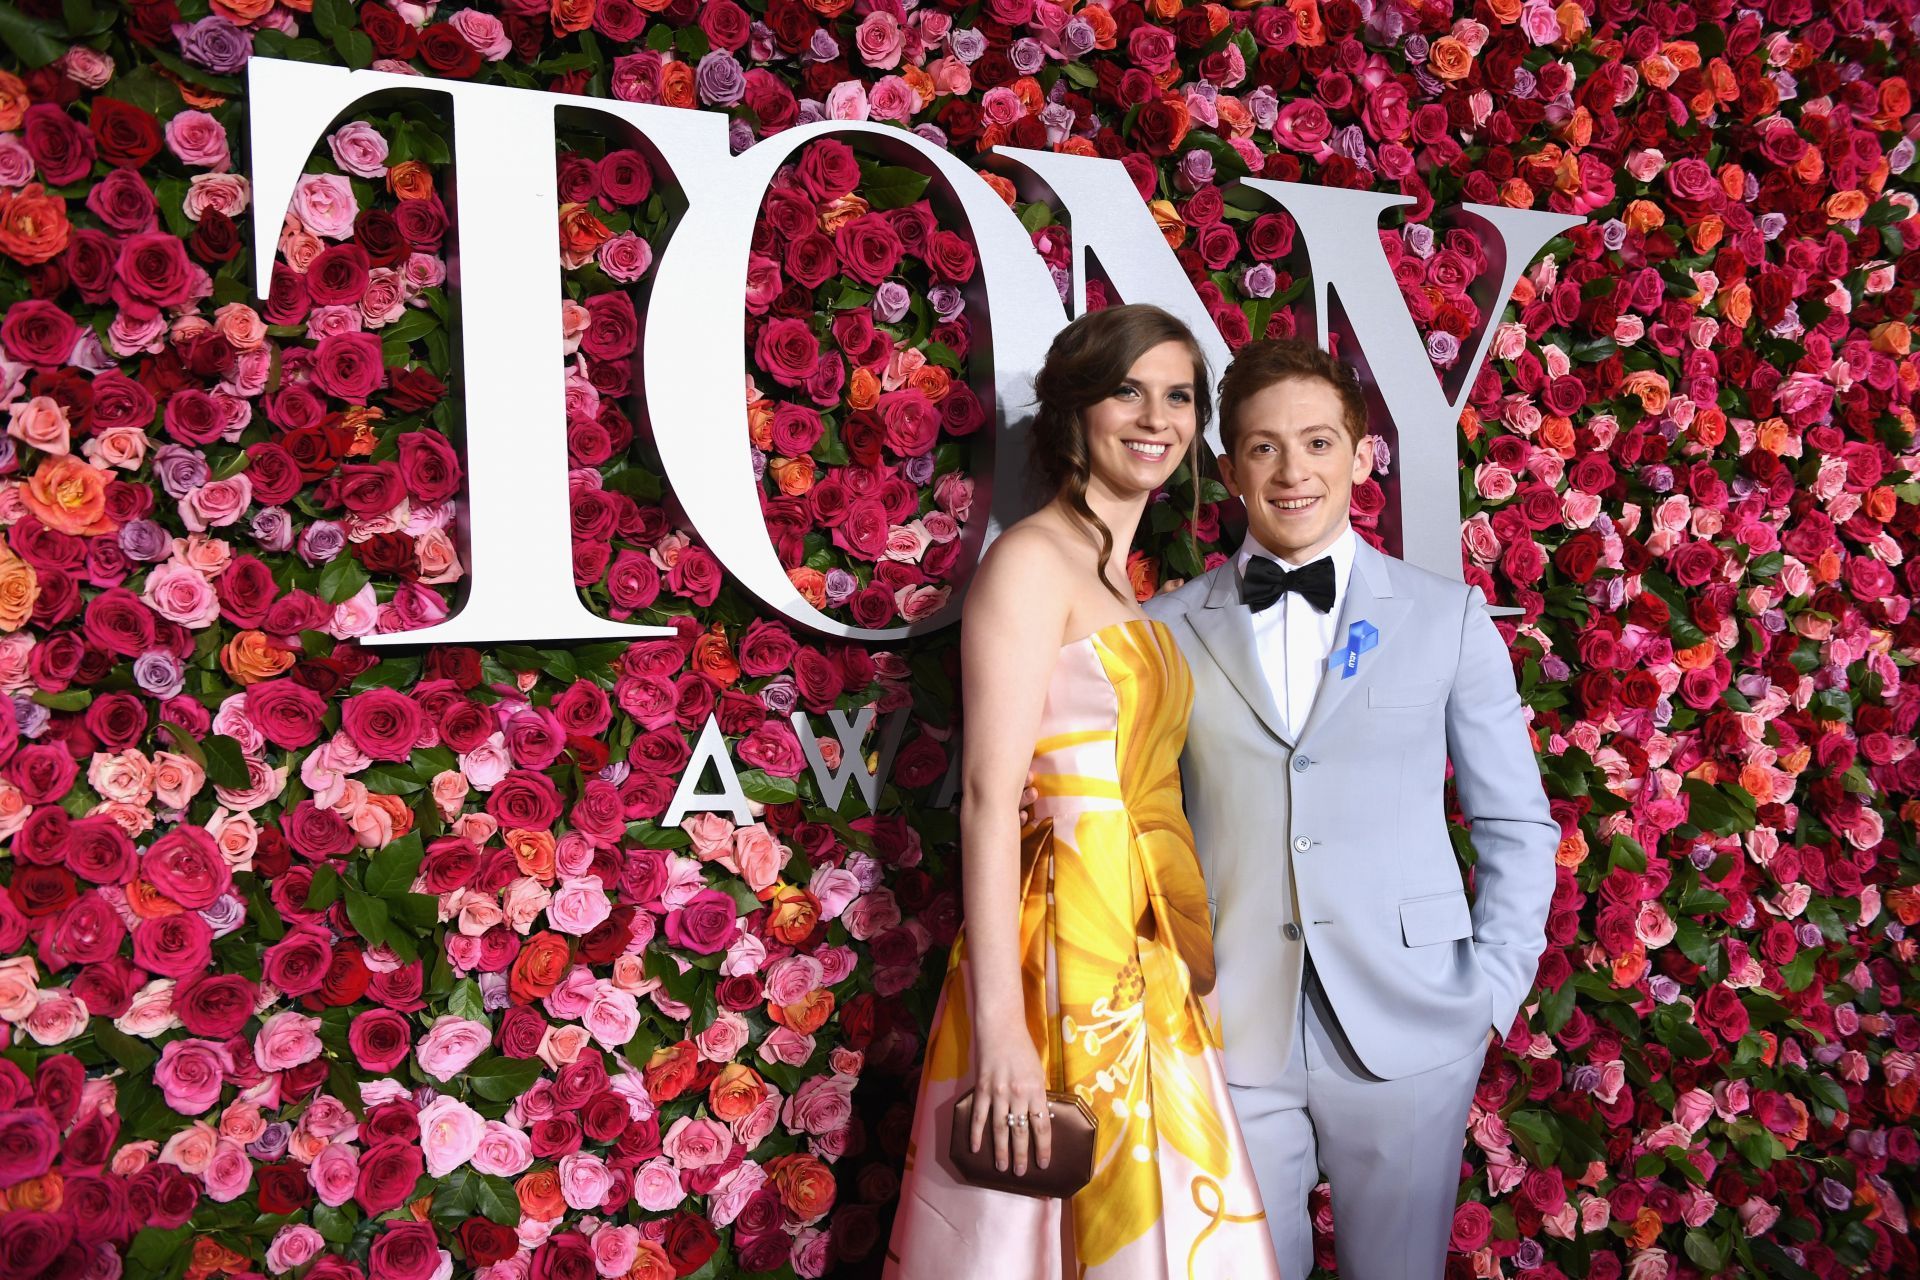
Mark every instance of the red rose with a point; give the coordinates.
(486, 1242)
(186, 866)
(176, 945)
(286, 713)
(429, 468)
(283, 1187)
(525, 799)
(153, 271)
(1472, 1226)
(384, 723)
(404, 1251)
(388, 1171)
(442, 49)
(706, 924)
(689, 1242)
(297, 963)
(869, 248)
(1722, 1012)
(829, 170)
(786, 349)
(348, 366)
(216, 1006)
(37, 332)
(61, 149)
(98, 850)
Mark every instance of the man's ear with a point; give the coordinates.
(1363, 459)
(1224, 463)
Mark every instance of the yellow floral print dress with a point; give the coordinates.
(1109, 854)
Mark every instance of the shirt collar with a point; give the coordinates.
(1341, 551)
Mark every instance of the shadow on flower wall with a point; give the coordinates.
(331, 964)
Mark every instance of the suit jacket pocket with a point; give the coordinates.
(1418, 694)
(1440, 917)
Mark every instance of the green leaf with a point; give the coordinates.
(499, 1079)
(767, 788)
(131, 1053)
(368, 915)
(1035, 216)
(416, 323)
(64, 699)
(332, 17)
(226, 762)
(465, 1001)
(1798, 972)
(335, 1224)
(390, 872)
(341, 578)
(1704, 1251)
(324, 891)
(34, 42)
(892, 186)
(494, 1197)
(1721, 810)
(155, 1249)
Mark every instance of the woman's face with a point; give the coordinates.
(1139, 433)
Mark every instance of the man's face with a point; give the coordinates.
(1294, 465)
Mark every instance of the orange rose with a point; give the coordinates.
(569, 16)
(805, 1016)
(71, 496)
(863, 388)
(1143, 573)
(13, 101)
(829, 8)
(651, 1263)
(1450, 58)
(839, 211)
(1651, 387)
(539, 1193)
(410, 180)
(1104, 27)
(1843, 206)
(241, 12)
(1505, 12)
(1556, 433)
(1306, 18)
(398, 815)
(148, 902)
(676, 85)
(533, 853)
(713, 657)
(794, 916)
(45, 1193)
(1172, 228)
(33, 225)
(793, 475)
(1645, 215)
(735, 1092)
(811, 584)
(760, 423)
(670, 1071)
(932, 381)
(537, 970)
(1572, 19)
(1002, 187)
(19, 588)
(580, 233)
(805, 1185)
(252, 656)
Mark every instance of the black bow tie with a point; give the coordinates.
(1267, 581)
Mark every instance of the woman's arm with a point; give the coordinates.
(1014, 622)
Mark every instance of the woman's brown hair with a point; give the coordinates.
(1087, 362)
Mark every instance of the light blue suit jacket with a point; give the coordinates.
(1335, 842)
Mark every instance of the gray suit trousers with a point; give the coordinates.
(1393, 1154)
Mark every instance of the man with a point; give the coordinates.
(1358, 991)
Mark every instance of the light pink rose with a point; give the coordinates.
(871, 914)
(730, 1195)
(695, 1144)
(612, 1017)
(790, 980)
(40, 423)
(749, 1130)
(287, 1039)
(579, 907)
(179, 594)
(334, 1173)
(503, 1151)
(229, 193)
(835, 887)
(822, 1105)
(324, 204)
(712, 835)
(294, 1245)
(229, 1173)
(198, 140)
(625, 257)
(724, 1037)
(584, 1179)
(489, 39)
(122, 447)
(450, 1133)
(787, 1046)
(190, 1073)
(359, 149)
(451, 1045)
(614, 1248)
(216, 503)
(758, 856)
(656, 1186)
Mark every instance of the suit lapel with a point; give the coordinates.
(1369, 598)
(1225, 626)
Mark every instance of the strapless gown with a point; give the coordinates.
(1129, 954)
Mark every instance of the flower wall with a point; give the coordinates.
(329, 963)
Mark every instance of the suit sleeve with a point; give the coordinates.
(1514, 834)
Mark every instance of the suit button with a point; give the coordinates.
(1292, 931)
(1301, 844)
(1300, 764)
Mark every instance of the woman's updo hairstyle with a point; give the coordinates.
(1087, 362)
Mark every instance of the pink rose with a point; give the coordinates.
(584, 1180)
(324, 204)
(335, 1173)
(287, 1039)
(451, 1046)
(656, 1186)
(503, 1151)
(39, 423)
(190, 1073)
(294, 1245)
(579, 907)
(612, 1017)
(450, 1133)
(822, 1105)
(695, 1144)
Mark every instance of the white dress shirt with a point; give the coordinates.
(1291, 637)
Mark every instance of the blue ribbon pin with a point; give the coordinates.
(1361, 636)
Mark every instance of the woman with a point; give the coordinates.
(1097, 909)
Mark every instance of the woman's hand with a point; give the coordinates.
(1008, 1081)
